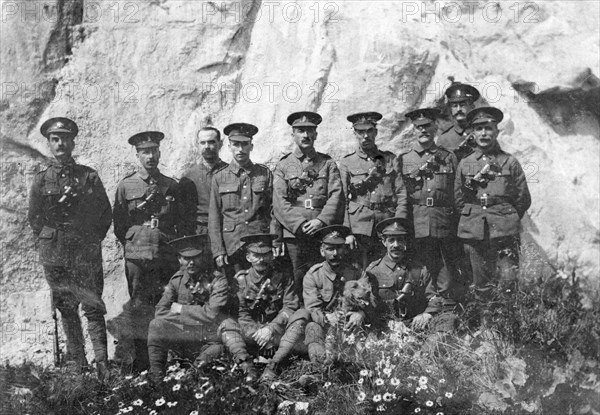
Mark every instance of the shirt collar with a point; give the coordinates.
(495, 152)
(329, 273)
(143, 173)
(300, 155)
(68, 163)
(419, 148)
(235, 167)
(364, 155)
(390, 263)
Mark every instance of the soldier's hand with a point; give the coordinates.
(176, 308)
(221, 261)
(311, 226)
(262, 336)
(351, 241)
(355, 320)
(421, 321)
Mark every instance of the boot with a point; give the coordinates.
(102, 371)
(208, 354)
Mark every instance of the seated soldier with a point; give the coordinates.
(323, 288)
(268, 312)
(194, 313)
(399, 278)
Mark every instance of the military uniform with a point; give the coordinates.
(147, 215)
(323, 288)
(305, 187)
(431, 196)
(205, 322)
(454, 137)
(373, 187)
(240, 205)
(195, 185)
(492, 196)
(70, 214)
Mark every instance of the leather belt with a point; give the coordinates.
(381, 206)
(309, 204)
(430, 202)
(486, 201)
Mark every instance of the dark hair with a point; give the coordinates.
(216, 130)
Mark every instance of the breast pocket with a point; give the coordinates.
(444, 178)
(261, 191)
(135, 197)
(230, 197)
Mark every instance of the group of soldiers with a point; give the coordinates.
(238, 257)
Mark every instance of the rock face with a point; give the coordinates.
(118, 68)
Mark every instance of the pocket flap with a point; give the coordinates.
(135, 193)
(131, 232)
(466, 211)
(51, 190)
(507, 210)
(228, 226)
(47, 233)
(229, 188)
(259, 186)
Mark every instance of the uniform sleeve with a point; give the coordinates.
(333, 211)
(522, 196)
(244, 316)
(282, 207)
(163, 308)
(102, 206)
(217, 304)
(215, 220)
(345, 179)
(120, 213)
(35, 214)
(312, 302)
(188, 195)
(459, 200)
(400, 189)
(290, 304)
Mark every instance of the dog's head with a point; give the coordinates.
(358, 294)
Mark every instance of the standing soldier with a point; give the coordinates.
(70, 214)
(492, 196)
(399, 278)
(146, 217)
(195, 182)
(373, 187)
(194, 315)
(307, 194)
(268, 311)
(429, 171)
(457, 137)
(323, 287)
(240, 200)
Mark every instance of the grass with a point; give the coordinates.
(538, 355)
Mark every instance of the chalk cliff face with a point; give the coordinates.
(124, 67)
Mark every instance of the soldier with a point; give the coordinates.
(399, 278)
(429, 171)
(70, 214)
(373, 187)
(307, 194)
(323, 286)
(194, 314)
(268, 311)
(457, 137)
(240, 200)
(147, 215)
(492, 196)
(195, 182)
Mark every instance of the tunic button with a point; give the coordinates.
(429, 190)
(246, 222)
(62, 175)
(246, 210)
(244, 186)
(245, 197)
